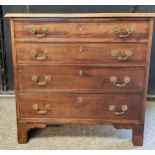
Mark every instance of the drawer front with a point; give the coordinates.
(91, 106)
(67, 53)
(84, 78)
(115, 30)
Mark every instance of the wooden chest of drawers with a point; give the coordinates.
(81, 69)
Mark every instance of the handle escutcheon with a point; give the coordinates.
(39, 34)
(116, 54)
(126, 80)
(36, 108)
(35, 78)
(113, 109)
(35, 55)
(123, 34)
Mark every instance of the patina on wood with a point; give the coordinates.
(80, 70)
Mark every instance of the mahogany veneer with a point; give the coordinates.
(81, 69)
(77, 53)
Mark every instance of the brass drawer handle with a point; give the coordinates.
(34, 55)
(113, 109)
(81, 27)
(35, 78)
(122, 34)
(113, 79)
(35, 107)
(127, 54)
(39, 34)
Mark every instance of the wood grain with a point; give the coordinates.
(81, 15)
(78, 53)
(99, 30)
(90, 78)
(82, 106)
(80, 90)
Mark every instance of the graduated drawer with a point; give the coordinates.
(81, 78)
(77, 53)
(86, 106)
(105, 29)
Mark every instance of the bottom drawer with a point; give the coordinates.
(86, 106)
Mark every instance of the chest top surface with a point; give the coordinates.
(80, 15)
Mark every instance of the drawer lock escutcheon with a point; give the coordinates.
(81, 27)
(80, 99)
(81, 48)
(36, 108)
(118, 56)
(113, 109)
(113, 79)
(35, 78)
(123, 34)
(35, 55)
(80, 72)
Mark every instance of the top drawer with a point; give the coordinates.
(80, 30)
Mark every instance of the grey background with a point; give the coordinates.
(73, 9)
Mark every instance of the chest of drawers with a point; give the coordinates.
(81, 69)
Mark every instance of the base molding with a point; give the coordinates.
(23, 129)
(137, 131)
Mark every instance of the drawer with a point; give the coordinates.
(77, 53)
(85, 106)
(81, 78)
(104, 29)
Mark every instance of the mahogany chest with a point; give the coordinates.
(81, 69)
